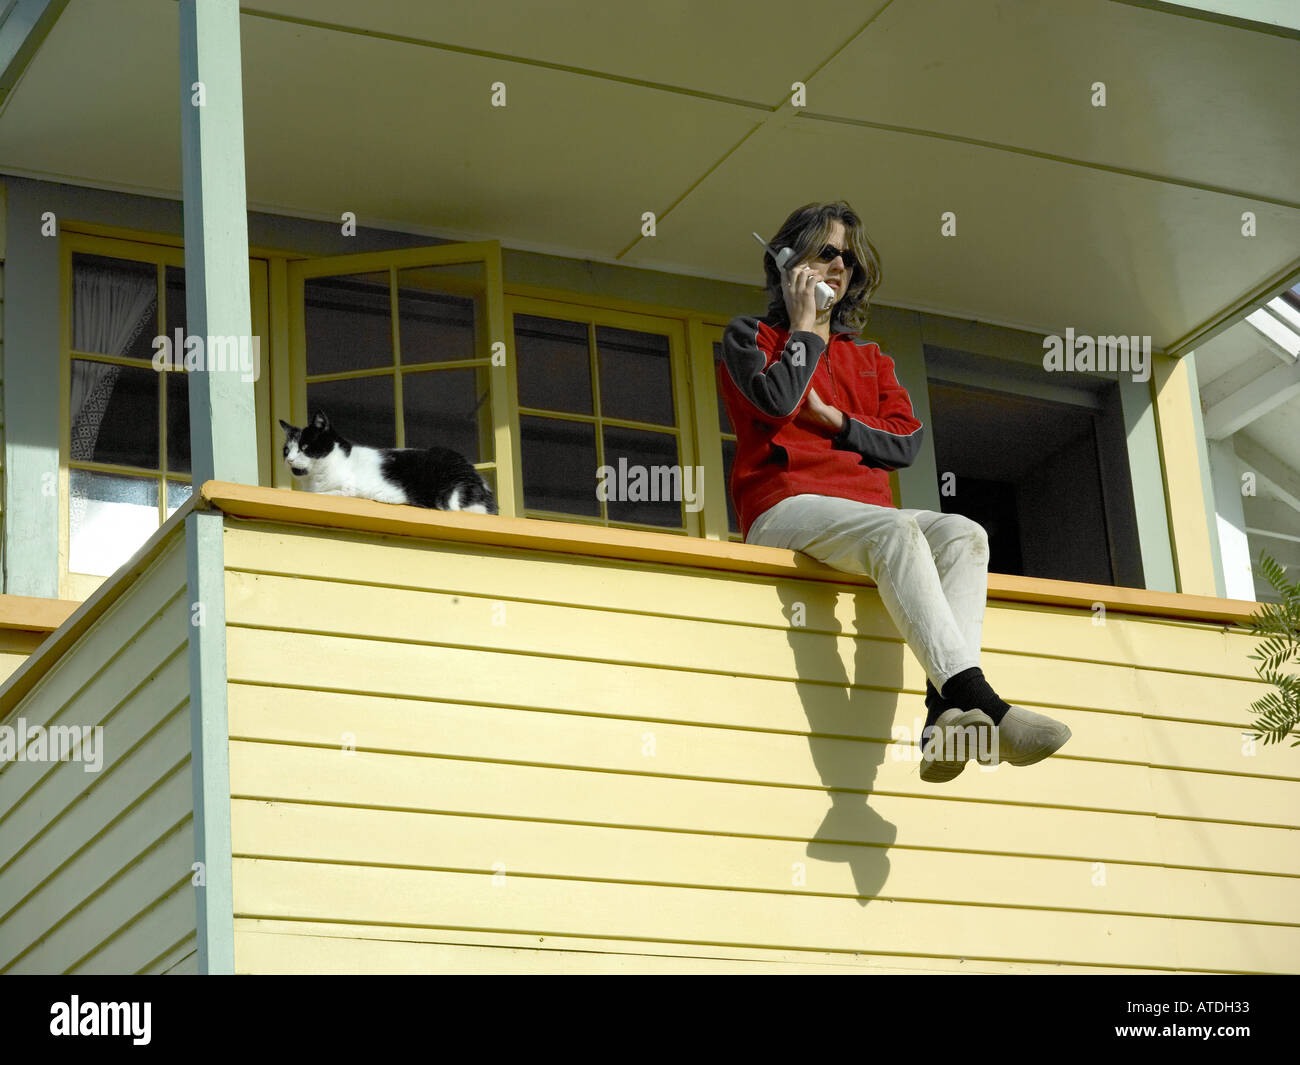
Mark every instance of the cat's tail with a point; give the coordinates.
(489, 497)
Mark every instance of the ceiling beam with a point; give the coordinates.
(1274, 535)
(1278, 17)
(1271, 342)
(1271, 473)
(24, 25)
(1228, 316)
(1256, 399)
(1268, 517)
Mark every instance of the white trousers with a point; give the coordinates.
(931, 569)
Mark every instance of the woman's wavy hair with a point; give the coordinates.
(807, 231)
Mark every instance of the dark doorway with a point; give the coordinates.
(1036, 473)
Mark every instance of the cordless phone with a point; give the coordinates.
(825, 294)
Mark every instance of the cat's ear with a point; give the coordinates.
(287, 427)
(320, 421)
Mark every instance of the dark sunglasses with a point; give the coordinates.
(828, 253)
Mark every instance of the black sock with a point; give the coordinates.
(935, 703)
(970, 691)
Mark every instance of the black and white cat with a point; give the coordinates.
(434, 477)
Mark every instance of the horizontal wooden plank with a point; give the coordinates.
(60, 785)
(261, 952)
(610, 584)
(1220, 748)
(188, 964)
(180, 959)
(337, 512)
(19, 612)
(304, 715)
(155, 616)
(155, 873)
(545, 906)
(598, 688)
(1065, 780)
(322, 607)
(535, 848)
(386, 723)
(134, 945)
(666, 952)
(315, 775)
(50, 879)
(154, 574)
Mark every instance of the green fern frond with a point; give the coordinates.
(1278, 626)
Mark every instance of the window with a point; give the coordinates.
(396, 348)
(126, 426)
(1044, 468)
(571, 410)
(728, 433)
(128, 442)
(601, 395)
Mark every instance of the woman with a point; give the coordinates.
(820, 419)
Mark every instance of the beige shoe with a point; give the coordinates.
(1024, 737)
(954, 739)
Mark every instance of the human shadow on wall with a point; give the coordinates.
(841, 718)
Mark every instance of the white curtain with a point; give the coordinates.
(110, 310)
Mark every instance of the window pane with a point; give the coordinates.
(178, 422)
(360, 409)
(559, 461)
(114, 412)
(348, 323)
(440, 410)
(643, 452)
(554, 364)
(114, 306)
(111, 517)
(635, 376)
(728, 459)
(724, 419)
(176, 314)
(436, 316)
(177, 493)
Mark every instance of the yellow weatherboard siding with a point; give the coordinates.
(501, 757)
(95, 867)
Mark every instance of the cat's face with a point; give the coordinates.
(305, 447)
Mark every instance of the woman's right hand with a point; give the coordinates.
(799, 286)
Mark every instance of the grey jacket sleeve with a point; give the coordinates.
(878, 447)
(773, 392)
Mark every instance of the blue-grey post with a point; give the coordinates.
(223, 426)
(223, 430)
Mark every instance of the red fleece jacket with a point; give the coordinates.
(765, 375)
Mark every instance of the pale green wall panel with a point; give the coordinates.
(899, 335)
(31, 329)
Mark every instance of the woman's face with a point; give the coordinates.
(834, 273)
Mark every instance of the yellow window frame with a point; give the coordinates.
(687, 403)
(73, 585)
(290, 378)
